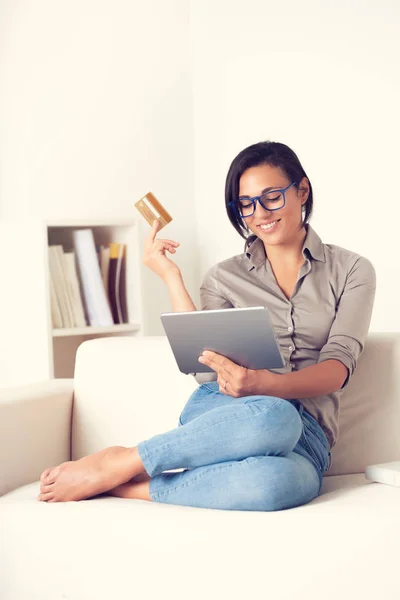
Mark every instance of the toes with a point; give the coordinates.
(44, 489)
(51, 476)
(45, 474)
(46, 497)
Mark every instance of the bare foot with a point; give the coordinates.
(91, 475)
(137, 488)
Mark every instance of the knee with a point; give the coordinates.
(275, 483)
(280, 418)
(185, 415)
(195, 405)
(291, 487)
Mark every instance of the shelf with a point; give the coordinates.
(74, 331)
(47, 352)
(102, 222)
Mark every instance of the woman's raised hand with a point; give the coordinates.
(154, 253)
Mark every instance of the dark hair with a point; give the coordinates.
(270, 153)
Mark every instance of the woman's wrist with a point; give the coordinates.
(172, 277)
(266, 383)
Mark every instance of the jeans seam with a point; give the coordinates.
(214, 467)
(321, 431)
(144, 456)
(168, 444)
(312, 453)
(207, 387)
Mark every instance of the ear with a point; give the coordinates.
(304, 190)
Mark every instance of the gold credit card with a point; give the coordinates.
(151, 209)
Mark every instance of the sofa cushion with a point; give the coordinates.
(128, 389)
(369, 420)
(343, 543)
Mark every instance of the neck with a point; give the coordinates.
(288, 253)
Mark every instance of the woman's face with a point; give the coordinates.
(252, 183)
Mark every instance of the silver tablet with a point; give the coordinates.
(244, 335)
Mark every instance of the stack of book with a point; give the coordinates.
(87, 283)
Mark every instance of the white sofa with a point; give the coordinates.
(344, 544)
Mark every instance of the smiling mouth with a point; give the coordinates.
(267, 226)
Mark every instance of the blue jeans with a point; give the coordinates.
(249, 453)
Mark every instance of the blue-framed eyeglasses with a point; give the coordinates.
(272, 200)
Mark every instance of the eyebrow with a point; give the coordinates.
(265, 190)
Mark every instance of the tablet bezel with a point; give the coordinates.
(227, 331)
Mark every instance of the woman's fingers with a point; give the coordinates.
(155, 252)
(171, 242)
(162, 247)
(152, 234)
(151, 238)
(222, 385)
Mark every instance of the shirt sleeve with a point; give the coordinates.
(211, 298)
(349, 330)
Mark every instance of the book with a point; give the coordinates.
(56, 317)
(74, 289)
(64, 283)
(61, 306)
(104, 267)
(116, 283)
(94, 294)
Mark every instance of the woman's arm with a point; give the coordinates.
(155, 258)
(338, 358)
(316, 380)
(179, 296)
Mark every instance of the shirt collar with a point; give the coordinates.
(257, 255)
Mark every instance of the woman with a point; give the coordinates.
(251, 440)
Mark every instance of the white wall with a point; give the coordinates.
(101, 102)
(96, 110)
(324, 78)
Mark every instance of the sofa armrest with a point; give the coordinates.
(35, 430)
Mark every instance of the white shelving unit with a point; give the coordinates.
(95, 330)
(30, 349)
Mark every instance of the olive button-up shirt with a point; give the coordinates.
(327, 316)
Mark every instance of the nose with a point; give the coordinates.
(258, 209)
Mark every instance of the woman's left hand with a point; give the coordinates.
(233, 379)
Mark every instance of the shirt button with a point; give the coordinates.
(290, 348)
(290, 329)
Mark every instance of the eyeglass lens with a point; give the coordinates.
(270, 201)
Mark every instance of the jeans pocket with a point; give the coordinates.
(211, 386)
